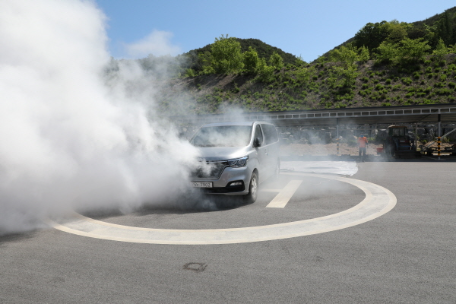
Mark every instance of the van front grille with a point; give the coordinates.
(212, 170)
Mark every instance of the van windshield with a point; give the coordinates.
(222, 136)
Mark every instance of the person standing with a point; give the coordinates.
(362, 145)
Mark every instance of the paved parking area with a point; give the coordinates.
(406, 255)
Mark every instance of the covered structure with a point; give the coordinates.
(358, 116)
(436, 113)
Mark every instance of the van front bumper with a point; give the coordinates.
(228, 176)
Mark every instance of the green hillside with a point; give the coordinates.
(431, 29)
(385, 64)
(264, 50)
(315, 86)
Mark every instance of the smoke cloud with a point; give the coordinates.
(157, 43)
(72, 138)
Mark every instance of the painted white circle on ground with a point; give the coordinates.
(377, 202)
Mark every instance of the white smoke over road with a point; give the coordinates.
(69, 137)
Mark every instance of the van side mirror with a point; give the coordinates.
(256, 142)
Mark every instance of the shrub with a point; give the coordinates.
(443, 91)
(189, 73)
(406, 80)
(452, 85)
(439, 85)
(276, 61)
(379, 87)
(388, 81)
(364, 93)
(416, 75)
(443, 77)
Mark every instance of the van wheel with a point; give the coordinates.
(253, 189)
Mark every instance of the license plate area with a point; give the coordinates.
(202, 184)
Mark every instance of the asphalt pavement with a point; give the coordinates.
(406, 255)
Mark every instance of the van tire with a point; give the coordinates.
(251, 197)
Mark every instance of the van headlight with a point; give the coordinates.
(238, 162)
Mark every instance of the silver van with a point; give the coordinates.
(236, 157)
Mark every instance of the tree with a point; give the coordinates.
(226, 55)
(276, 61)
(415, 31)
(266, 73)
(412, 50)
(408, 50)
(445, 28)
(397, 31)
(189, 73)
(251, 61)
(441, 50)
(300, 62)
(344, 54)
(387, 52)
(363, 54)
(349, 54)
(371, 35)
(206, 62)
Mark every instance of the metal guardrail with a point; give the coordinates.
(325, 114)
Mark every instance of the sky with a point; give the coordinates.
(303, 28)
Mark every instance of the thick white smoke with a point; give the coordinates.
(70, 138)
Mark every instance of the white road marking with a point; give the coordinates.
(377, 202)
(284, 196)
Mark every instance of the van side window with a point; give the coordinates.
(270, 134)
(259, 135)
